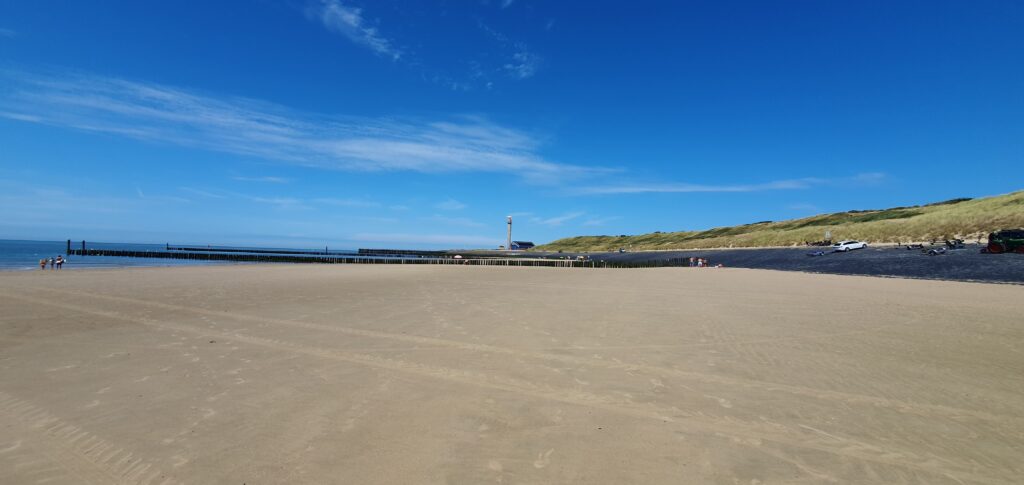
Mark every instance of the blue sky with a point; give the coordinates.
(423, 124)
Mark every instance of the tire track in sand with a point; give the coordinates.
(88, 457)
(905, 407)
(741, 432)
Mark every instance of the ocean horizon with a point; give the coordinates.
(24, 255)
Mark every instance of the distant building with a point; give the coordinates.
(522, 245)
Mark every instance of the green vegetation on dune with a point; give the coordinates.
(956, 218)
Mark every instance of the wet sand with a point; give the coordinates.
(435, 374)
(967, 264)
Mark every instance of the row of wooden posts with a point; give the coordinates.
(265, 256)
(271, 258)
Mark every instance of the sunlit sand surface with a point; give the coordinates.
(428, 374)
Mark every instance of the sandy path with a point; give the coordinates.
(392, 374)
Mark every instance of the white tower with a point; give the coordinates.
(508, 241)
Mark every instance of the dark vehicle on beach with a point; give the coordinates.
(955, 244)
(522, 245)
(1006, 241)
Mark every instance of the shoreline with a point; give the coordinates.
(183, 267)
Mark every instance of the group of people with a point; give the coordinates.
(699, 263)
(55, 263)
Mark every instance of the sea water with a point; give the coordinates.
(25, 255)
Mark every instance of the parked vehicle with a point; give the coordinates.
(1006, 241)
(844, 246)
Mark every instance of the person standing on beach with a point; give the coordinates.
(42, 263)
(60, 261)
(52, 262)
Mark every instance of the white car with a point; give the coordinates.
(844, 246)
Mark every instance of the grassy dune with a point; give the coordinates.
(963, 218)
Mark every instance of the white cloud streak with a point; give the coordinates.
(349, 22)
(524, 64)
(557, 220)
(600, 221)
(467, 241)
(271, 180)
(452, 221)
(283, 202)
(792, 184)
(803, 207)
(202, 193)
(450, 205)
(353, 203)
(7, 33)
(249, 127)
(49, 206)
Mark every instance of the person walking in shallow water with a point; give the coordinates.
(52, 262)
(60, 261)
(42, 263)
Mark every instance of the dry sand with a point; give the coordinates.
(428, 374)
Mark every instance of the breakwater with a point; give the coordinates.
(214, 249)
(201, 253)
(251, 257)
(405, 252)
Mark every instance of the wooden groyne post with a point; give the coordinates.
(365, 256)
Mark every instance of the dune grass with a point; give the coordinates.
(957, 218)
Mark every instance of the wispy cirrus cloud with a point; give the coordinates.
(600, 221)
(504, 56)
(349, 22)
(523, 64)
(284, 202)
(804, 207)
(202, 193)
(557, 220)
(434, 239)
(791, 184)
(450, 205)
(24, 203)
(453, 221)
(353, 203)
(9, 33)
(520, 61)
(270, 180)
(160, 198)
(247, 127)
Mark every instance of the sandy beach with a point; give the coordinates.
(271, 374)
